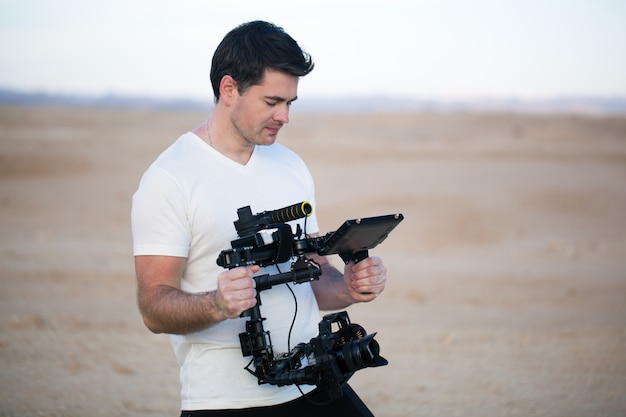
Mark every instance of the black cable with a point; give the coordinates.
(295, 314)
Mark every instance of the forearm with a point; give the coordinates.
(330, 290)
(169, 310)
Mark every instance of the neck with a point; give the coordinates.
(218, 140)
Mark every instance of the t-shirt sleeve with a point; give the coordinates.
(160, 224)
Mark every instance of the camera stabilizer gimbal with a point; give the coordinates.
(330, 358)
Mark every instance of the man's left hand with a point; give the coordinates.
(366, 279)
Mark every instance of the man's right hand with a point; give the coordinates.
(236, 291)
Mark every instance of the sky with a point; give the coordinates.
(422, 49)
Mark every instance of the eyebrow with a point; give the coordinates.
(281, 99)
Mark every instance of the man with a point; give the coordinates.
(182, 218)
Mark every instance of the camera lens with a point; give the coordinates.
(361, 353)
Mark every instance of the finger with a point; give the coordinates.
(244, 295)
(244, 272)
(228, 283)
(364, 269)
(366, 288)
(367, 262)
(370, 284)
(370, 276)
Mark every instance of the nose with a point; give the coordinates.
(282, 114)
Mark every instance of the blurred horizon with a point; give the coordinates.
(590, 105)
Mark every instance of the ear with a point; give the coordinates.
(228, 89)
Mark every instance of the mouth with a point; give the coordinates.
(273, 131)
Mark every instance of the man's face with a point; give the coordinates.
(258, 113)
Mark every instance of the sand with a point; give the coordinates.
(507, 283)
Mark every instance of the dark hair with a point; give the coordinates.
(250, 49)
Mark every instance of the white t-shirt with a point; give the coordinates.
(185, 206)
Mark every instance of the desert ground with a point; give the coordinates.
(506, 291)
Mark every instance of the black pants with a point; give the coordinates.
(316, 405)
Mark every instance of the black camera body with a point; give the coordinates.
(331, 358)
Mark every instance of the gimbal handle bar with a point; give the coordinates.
(302, 271)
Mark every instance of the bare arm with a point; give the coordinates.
(167, 309)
